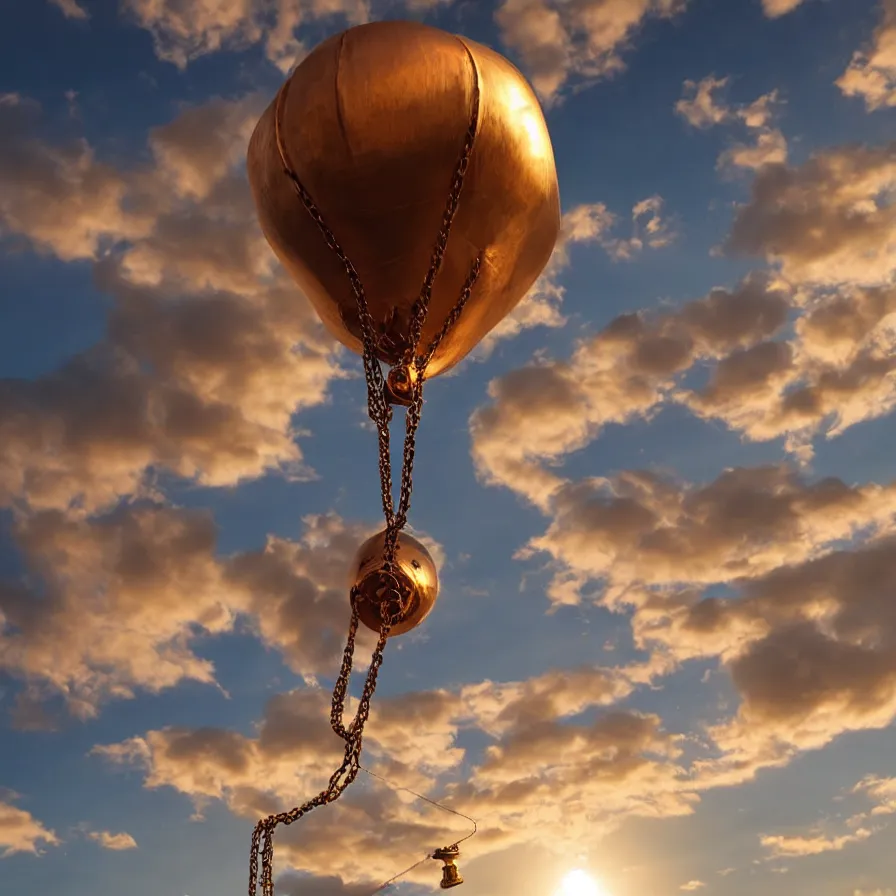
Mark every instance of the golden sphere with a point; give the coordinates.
(372, 123)
(415, 579)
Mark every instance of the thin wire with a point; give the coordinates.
(426, 799)
(383, 886)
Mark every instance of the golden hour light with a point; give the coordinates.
(470, 421)
(581, 883)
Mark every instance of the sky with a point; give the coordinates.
(661, 494)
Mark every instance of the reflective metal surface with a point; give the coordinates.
(450, 872)
(416, 582)
(373, 122)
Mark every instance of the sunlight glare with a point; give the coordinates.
(580, 883)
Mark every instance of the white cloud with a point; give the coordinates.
(543, 411)
(116, 842)
(582, 224)
(210, 350)
(701, 108)
(871, 74)
(776, 8)
(71, 9)
(699, 105)
(111, 617)
(559, 41)
(810, 845)
(828, 221)
(20, 831)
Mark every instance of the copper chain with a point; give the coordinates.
(380, 412)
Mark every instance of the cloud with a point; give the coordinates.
(585, 223)
(117, 842)
(835, 372)
(702, 109)
(599, 771)
(201, 146)
(71, 9)
(559, 41)
(881, 791)
(209, 351)
(639, 528)
(809, 647)
(809, 361)
(649, 229)
(699, 105)
(805, 633)
(692, 885)
(871, 74)
(582, 224)
(804, 627)
(543, 411)
(61, 197)
(776, 8)
(828, 221)
(182, 32)
(108, 616)
(770, 148)
(20, 831)
(784, 846)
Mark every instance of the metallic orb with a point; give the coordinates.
(414, 583)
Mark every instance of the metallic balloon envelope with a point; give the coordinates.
(415, 579)
(372, 124)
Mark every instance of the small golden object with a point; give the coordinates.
(407, 593)
(399, 388)
(450, 872)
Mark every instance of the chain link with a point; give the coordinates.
(380, 412)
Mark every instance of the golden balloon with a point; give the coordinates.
(372, 123)
(408, 592)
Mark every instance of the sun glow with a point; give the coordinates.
(580, 883)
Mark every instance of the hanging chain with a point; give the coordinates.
(380, 412)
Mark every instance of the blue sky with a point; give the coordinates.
(662, 496)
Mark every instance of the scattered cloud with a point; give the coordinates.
(776, 8)
(653, 531)
(560, 41)
(620, 764)
(649, 229)
(210, 350)
(182, 33)
(692, 885)
(701, 106)
(583, 224)
(828, 221)
(543, 411)
(881, 791)
(809, 647)
(116, 842)
(71, 9)
(808, 353)
(791, 846)
(20, 831)
(871, 74)
(60, 196)
(108, 616)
